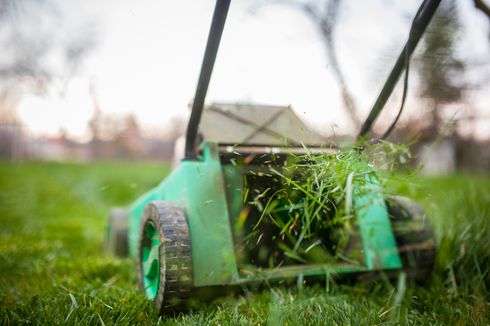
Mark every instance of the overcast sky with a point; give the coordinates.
(149, 53)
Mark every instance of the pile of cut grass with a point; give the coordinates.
(309, 206)
(53, 269)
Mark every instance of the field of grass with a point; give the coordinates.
(53, 269)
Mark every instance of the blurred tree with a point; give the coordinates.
(325, 20)
(129, 139)
(11, 137)
(324, 14)
(37, 48)
(37, 51)
(439, 67)
(114, 136)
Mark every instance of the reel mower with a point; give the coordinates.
(198, 230)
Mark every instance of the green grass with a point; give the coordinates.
(53, 269)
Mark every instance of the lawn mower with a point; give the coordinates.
(198, 230)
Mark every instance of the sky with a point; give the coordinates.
(148, 57)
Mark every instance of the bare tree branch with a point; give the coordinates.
(479, 4)
(37, 50)
(327, 25)
(325, 21)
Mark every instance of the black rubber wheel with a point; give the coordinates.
(414, 237)
(173, 256)
(117, 232)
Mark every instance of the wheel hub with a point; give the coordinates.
(150, 260)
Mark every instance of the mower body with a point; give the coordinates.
(194, 229)
(210, 191)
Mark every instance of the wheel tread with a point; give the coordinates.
(175, 253)
(414, 236)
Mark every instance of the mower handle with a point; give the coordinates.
(424, 15)
(214, 38)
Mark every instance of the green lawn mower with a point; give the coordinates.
(203, 227)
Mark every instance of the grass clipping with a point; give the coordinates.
(308, 217)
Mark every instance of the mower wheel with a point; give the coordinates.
(164, 256)
(414, 237)
(117, 232)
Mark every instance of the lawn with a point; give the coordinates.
(53, 269)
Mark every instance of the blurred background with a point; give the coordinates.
(112, 80)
